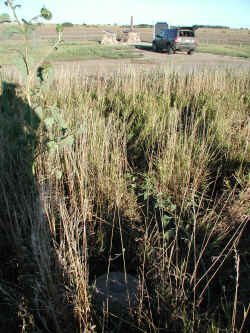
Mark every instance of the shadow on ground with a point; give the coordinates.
(31, 291)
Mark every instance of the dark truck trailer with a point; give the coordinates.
(175, 39)
(159, 27)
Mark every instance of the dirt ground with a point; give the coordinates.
(180, 62)
(147, 62)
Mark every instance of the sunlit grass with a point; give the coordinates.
(229, 50)
(68, 51)
(158, 177)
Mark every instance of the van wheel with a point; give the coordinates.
(170, 50)
(190, 52)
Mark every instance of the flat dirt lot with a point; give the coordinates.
(180, 62)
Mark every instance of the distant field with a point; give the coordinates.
(82, 43)
(213, 36)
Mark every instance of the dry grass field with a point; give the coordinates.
(234, 37)
(204, 35)
(140, 172)
(153, 180)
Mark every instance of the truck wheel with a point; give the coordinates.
(190, 52)
(170, 50)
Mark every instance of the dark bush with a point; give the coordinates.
(67, 24)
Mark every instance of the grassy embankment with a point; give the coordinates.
(71, 51)
(159, 167)
(228, 50)
(74, 51)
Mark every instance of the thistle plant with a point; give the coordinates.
(41, 70)
(24, 29)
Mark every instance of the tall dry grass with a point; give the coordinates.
(157, 177)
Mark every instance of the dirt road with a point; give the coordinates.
(148, 61)
(180, 62)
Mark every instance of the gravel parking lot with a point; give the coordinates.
(180, 62)
(146, 62)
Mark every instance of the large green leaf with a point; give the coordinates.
(49, 122)
(21, 65)
(67, 141)
(59, 28)
(169, 234)
(166, 220)
(52, 146)
(39, 111)
(48, 77)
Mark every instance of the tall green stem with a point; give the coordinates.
(31, 72)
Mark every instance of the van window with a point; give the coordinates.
(186, 33)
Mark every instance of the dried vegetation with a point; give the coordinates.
(156, 183)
